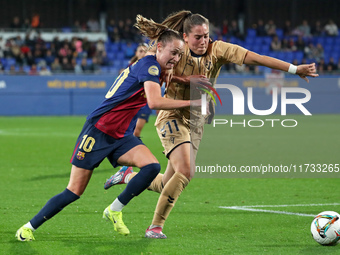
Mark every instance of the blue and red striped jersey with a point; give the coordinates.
(116, 115)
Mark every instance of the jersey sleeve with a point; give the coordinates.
(150, 71)
(227, 52)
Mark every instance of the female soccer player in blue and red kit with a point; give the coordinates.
(108, 133)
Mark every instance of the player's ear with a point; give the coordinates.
(159, 46)
(185, 37)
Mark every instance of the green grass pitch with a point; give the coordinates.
(34, 157)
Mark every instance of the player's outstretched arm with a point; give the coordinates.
(157, 102)
(303, 71)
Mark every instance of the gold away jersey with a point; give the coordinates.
(218, 54)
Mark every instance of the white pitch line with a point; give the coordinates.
(267, 211)
(252, 208)
(298, 205)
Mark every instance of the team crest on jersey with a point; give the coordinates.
(153, 70)
(80, 155)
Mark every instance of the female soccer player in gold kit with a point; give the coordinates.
(181, 130)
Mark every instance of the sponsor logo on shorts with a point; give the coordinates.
(80, 155)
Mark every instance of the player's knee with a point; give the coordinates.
(151, 170)
(187, 174)
(185, 168)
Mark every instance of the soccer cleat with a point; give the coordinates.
(24, 234)
(117, 219)
(155, 233)
(119, 177)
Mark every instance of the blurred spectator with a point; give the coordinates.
(25, 49)
(2, 46)
(44, 71)
(66, 66)
(252, 69)
(270, 28)
(331, 28)
(317, 29)
(275, 45)
(121, 28)
(28, 41)
(225, 27)
(86, 45)
(240, 69)
(19, 41)
(260, 28)
(309, 50)
(33, 70)
(15, 49)
(300, 44)
(92, 50)
(12, 70)
(129, 50)
(285, 45)
(100, 47)
(77, 68)
(287, 28)
(127, 35)
(332, 64)
(304, 61)
(38, 53)
(321, 67)
(94, 66)
(291, 44)
(63, 52)
(38, 40)
(234, 29)
(214, 31)
(16, 23)
(303, 29)
(21, 59)
(56, 45)
(21, 71)
(115, 36)
(55, 66)
(26, 25)
(35, 23)
(93, 25)
(77, 27)
(49, 58)
(78, 48)
(318, 52)
(84, 67)
(2, 68)
(110, 28)
(103, 60)
(295, 62)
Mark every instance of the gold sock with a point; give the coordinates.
(168, 198)
(133, 174)
(156, 185)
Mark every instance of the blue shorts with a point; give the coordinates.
(144, 113)
(93, 146)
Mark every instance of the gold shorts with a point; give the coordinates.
(173, 132)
